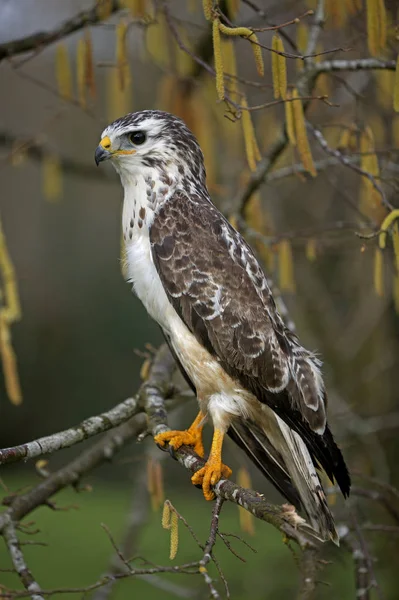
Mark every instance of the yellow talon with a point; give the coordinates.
(190, 437)
(214, 469)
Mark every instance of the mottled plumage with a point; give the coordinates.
(201, 282)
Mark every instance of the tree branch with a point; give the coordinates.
(74, 435)
(18, 560)
(360, 64)
(38, 41)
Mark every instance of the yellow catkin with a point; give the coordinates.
(247, 33)
(145, 369)
(376, 26)
(370, 199)
(233, 6)
(396, 87)
(233, 221)
(155, 483)
(204, 130)
(158, 481)
(183, 61)
(395, 292)
(251, 145)
(378, 127)
(385, 88)
(81, 72)
(286, 267)
(9, 363)
(166, 514)
(152, 484)
(230, 65)
(52, 177)
(302, 34)
(63, 72)
(344, 139)
(12, 311)
(385, 225)
(279, 68)
(104, 9)
(395, 242)
(207, 7)
(289, 120)
(395, 130)
(119, 102)
(311, 250)
(174, 535)
(158, 42)
(246, 519)
(121, 53)
(217, 51)
(89, 64)
(378, 273)
(166, 90)
(352, 6)
(337, 12)
(301, 135)
(138, 8)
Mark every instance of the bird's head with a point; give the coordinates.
(152, 139)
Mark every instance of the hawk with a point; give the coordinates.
(200, 280)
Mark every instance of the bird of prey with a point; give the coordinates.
(199, 279)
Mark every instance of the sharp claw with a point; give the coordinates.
(172, 451)
(162, 447)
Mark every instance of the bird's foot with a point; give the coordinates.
(209, 475)
(175, 439)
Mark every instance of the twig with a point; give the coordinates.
(207, 557)
(345, 161)
(18, 560)
(286, 521)
(39, 41)
(360, 64)
(36, 151)
(314, 33)
(74, 435)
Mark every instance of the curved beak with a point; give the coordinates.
(101, 154)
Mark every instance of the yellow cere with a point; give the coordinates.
(106, 143)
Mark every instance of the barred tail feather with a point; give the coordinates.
(285, 460)
(307, 482)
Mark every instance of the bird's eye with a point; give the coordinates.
(137, 138)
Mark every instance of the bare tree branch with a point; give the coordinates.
(64, 439)
(18, 560)
(359, 64)
(38, 41)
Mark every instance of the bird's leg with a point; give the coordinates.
(214, 469)
(190, 437)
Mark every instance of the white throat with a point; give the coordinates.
(146, 190)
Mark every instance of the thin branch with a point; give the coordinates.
(74, 435)
(345, 161)
(314, 33)
(359, 64)
(36, 151)
(158, 382)
(38, 41)
(18, 560)
(207, 557)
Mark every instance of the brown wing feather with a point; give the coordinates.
(217, 287)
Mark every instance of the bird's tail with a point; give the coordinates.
(282, 456)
